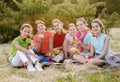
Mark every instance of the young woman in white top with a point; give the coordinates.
(100, 44)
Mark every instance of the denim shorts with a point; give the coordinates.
(97, 54)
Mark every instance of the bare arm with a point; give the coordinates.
(37, 45)
(51, 45)
(65, 44)
(85, 47)
(106, 46)
(58, 48)
(92, 50)
(24, 50)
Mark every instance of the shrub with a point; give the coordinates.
(7, 33)
(47, 18)
(56, 1)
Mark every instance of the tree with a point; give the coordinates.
(113, 6)
(81, 9)
(55, 2)
(30, 7)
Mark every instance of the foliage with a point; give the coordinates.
(11, 4)
(75, 10)
(7, 33)
(109, 20)
(47, 18)
(30, 7)
(55, 2)
(74, 1)
(113, 6)
(8, 28)
(14, 13)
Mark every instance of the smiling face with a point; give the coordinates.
(72, 30)
(80, 25)
(41, 28)
(25, 32)
(57, 27)
(96, 28)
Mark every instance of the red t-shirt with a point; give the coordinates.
(44, 46)
(58, 39)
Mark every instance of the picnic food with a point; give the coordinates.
(75, 50)
(57, 51)
(41, 35)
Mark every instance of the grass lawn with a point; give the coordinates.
(60, 73)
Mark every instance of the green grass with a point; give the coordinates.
(55, 73)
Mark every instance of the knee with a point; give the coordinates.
(75, 56)
(19, 52)
(31, 50)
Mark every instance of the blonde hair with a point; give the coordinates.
(25, 25)
(39, 21)
(57, 20)
(71, 24)
(83, 20)
(100, 24)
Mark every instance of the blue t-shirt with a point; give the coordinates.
(98, 44)
(86, 41)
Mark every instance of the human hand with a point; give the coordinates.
(89, 57)
(70, 42)
(78, 42)
(40, 37)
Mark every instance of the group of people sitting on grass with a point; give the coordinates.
(79, 43)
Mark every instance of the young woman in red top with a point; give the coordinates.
(59, 36)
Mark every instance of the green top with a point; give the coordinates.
(21, 42)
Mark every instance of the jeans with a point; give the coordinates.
(42, 57)
(97, 54)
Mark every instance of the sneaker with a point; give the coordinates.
(31, 68)
(38, 67)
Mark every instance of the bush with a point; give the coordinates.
(47, 10)
(56, 1)
(47, 18)
(7, 33)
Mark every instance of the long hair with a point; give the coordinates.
(58, 21)
(83, 20)
(100, 24)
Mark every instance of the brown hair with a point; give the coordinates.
(83, 20)
(57, 20)
(71, 24)
(25, 25)
(39, 21)
(100, 24)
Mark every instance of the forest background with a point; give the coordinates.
(13, 13)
